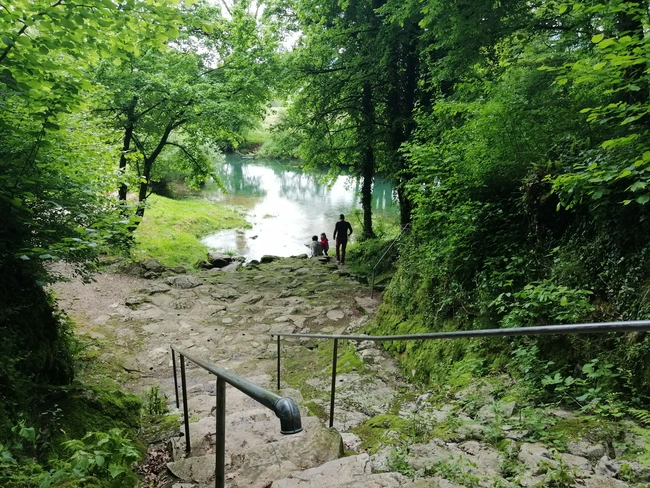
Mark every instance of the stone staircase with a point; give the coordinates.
(259, 456)
(226, 317)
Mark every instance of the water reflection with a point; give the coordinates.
(286, 206)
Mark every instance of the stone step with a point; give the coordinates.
(347, 472)
(256, 452)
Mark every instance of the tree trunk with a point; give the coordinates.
(367, 160)
(148, 165)
(404, 66)
(126, 146)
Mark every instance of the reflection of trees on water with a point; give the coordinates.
(382, 196)
(300, 187)
(258, 178)
(236, 179)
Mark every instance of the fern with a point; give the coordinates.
(641, 416)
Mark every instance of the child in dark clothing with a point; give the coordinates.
(324, 243)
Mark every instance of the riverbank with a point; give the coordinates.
(171, 230)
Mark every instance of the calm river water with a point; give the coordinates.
(285, 206)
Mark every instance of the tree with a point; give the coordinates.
(336, 81)
(53, 174)
(43, 81)
(206, 87)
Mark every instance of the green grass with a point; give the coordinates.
(171, 229)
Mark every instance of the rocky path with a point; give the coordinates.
(226, 316)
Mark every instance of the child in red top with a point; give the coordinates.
(324, 243)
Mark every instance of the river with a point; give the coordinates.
(285, 206)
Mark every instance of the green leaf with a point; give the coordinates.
(115, 471)
(643, 199)
(28, 433)
(563, 8)
(638, 185)
(597, 38)
(606, 43)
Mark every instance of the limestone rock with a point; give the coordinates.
(607, 467)
(253, 299)
(585, 449)
(232, 267)
(267, 258)
(603, 482)
(470, 431)
(367, 305)
(578, 464)
(335, 314)
(225, 294)
(155, 288)
(182, 304)
(535, 456)
(135, 300)
(196, 468)
(351, 441)
(177, 269)
(153, 265)
(219, 259)
(348, 472)
(183, 282)
(562, 414)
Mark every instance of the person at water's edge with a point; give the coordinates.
(342, 230)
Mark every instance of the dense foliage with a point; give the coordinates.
(97, 97)
(516, 137)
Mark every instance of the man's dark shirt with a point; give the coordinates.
(341, 230)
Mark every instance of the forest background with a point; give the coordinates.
(515, 135)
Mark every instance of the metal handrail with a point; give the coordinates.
(589, 328)
(284, 408)
(372, 281)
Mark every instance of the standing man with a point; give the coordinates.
(342, 230)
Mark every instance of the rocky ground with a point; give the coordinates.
(386, 432)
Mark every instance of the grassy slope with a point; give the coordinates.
(171, 229)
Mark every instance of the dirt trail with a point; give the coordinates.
(225, 317)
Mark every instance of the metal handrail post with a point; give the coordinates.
(186, 416)
(278, 363)
(175, 378)
(220, 437)
(333, 393)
